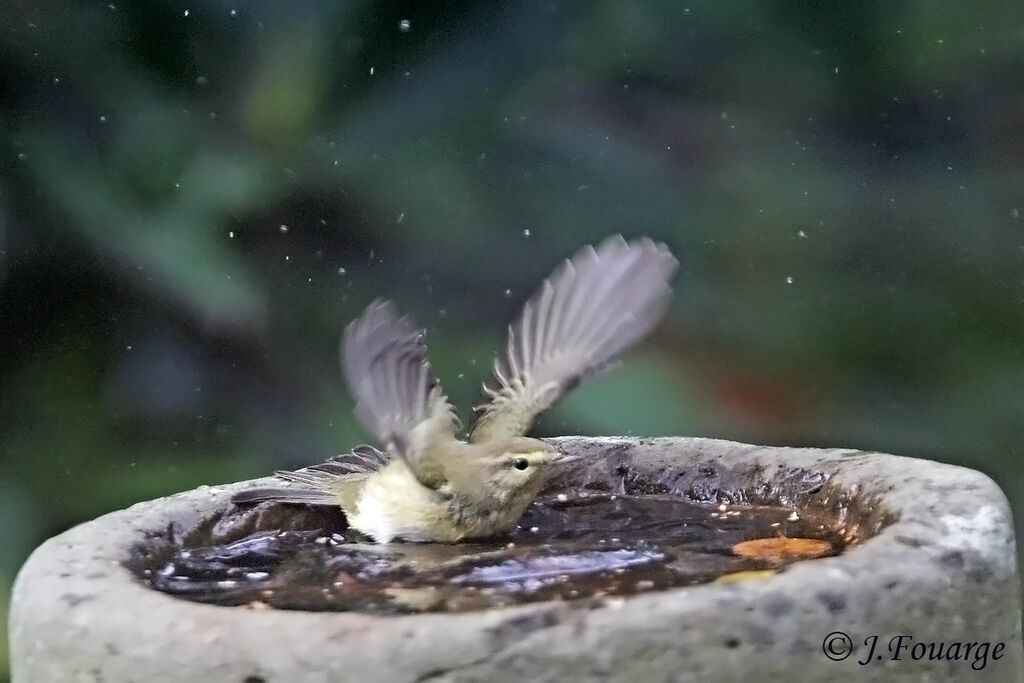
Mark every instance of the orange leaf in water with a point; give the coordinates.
(782, 549)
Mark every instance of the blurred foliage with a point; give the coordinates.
(196, 196)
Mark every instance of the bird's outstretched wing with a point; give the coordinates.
(398, 397)
(588, 312)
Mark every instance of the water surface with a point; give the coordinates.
(567, 546)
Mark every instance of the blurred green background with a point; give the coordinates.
(196, 196)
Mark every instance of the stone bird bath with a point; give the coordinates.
(931, 559)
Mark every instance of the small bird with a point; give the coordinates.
(430, 486)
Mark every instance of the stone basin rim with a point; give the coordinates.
(947, 519)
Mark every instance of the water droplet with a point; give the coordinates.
(186, 13)
(1014, 212)
(342, 271)
(526, 232)
(22, 156)
(103, 119)
(283, 229)
(508, 293)
(371, 70)
(801, 234)
(789, 280)
(404, 25)
(234, 13)
(401, 217)
(231, 234)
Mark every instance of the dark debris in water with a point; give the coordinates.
(567, 546)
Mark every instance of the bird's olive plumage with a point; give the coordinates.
(431, 486)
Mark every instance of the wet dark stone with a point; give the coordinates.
(834, 602)
(760, 635)
(777, 605)
(912, 541)
(518, 627)
(980, 574)
(953, 559)
(74, 600)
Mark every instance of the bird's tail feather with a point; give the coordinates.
(297, 496)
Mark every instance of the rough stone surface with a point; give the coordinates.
(940, 567)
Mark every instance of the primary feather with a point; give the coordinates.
(384, 360)
(592, 308)
(361, 460)
(398, 397)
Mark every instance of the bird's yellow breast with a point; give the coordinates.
(394, 504)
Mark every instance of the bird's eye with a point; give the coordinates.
(520, 463)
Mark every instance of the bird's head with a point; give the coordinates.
(508, 473)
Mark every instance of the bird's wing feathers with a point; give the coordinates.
(361, 460)
(282, 494)
(588, 312)
(320, 484)
(398, 397)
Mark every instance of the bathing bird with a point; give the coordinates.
(427, 484)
